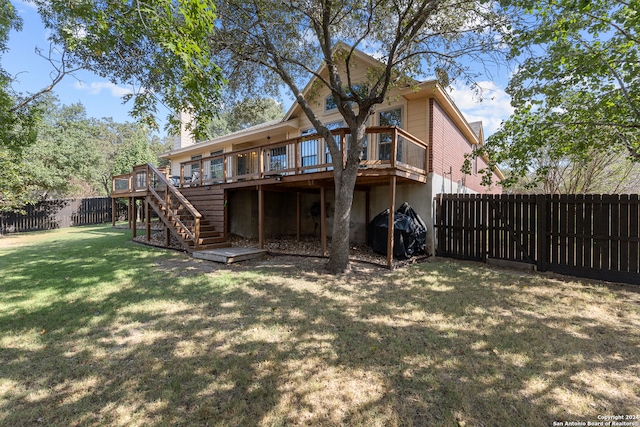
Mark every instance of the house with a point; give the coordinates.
(271, 180)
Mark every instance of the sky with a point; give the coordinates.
(102, 98)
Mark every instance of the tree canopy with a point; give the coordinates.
(576, 89)
(73, 155)
(243, 114)
(159, 47)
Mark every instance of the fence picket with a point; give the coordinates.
(594, 236)
(52, 214)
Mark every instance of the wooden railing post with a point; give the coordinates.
(298, 154)
(225, 163)
(261, 162)
(394, 147)
(181, 175)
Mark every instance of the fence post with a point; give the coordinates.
(541, 232)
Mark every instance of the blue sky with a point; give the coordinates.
(102, 98)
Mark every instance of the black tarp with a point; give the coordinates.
(409, 233)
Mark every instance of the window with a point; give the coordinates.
(195, 168)
(330, 103)
(389, 118)
(216, 167)
(309, 152)
(278, 158)
(242, 164)
(327, 153)
(310, 148)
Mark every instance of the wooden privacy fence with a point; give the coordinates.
(52, 214)
(594, 236)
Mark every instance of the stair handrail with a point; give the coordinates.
(170, 213)
(192, 210)
(195, 236)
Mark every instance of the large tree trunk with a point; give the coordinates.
(339, 250)
(345, 182)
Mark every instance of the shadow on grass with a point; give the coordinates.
(121, 334)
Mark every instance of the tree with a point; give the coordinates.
(245, 113)
(122, 144)
(577, 89)
(600, 172)
(261, 45)
(134, 151)
(17, 124)
(65, 158)
(160, 47)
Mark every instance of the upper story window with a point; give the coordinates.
(389, 118)
(330, 103)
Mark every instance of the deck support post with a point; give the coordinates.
(260, 217)
(323, 220)
(113, 212)
(390, 231)
(134, 212)
(298, 217)
(129, 211)
(147, 218)
(167, 237)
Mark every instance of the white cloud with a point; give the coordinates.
(24, 3)
(491, 107)
(96, 88)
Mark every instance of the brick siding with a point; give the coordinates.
(449, 145)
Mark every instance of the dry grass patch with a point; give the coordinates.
(146, 337)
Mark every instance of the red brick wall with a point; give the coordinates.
(449, 145)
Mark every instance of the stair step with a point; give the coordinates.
(213, 246)
(210, 237)
(209, 241)
(207, 235)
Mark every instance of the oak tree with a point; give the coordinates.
(262, 45)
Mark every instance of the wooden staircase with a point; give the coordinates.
(196, 230)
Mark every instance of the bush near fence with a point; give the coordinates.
(52, 214)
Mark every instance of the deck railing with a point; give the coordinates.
(385, 147)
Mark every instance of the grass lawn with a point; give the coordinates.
(97, 330)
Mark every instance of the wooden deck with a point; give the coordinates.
(198, 195)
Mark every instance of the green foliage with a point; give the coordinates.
(134, 151)
(17, 126)
(161, 47)
(244, 114)
(576, 92)
(72, 156)
(65, 155)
